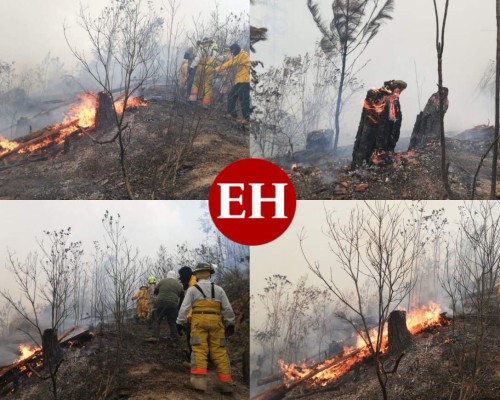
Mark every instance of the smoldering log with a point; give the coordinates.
(427, 126)
(400, 338)
(380, 123)
(104, 114)
(13, 372)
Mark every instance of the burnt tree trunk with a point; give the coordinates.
(380, 123)
(104, 114)
(52, 353)
(400, 337)
(427, 127)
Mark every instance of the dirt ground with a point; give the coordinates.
(174, 151)
(318, 175)
(147, 370)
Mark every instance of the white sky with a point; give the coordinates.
(148, 224)
(410, 37)
(283, 255)
(32, 28)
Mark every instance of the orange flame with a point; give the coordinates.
(132, 102)
(26, 351)
(6, 145)
(84, 111)
(416, 321)
(80, 115)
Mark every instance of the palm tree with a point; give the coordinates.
(355, 23)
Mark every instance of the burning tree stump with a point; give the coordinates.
(427, 126)
(380, 123)
(400, 337)
(52, 352)
(104, 114)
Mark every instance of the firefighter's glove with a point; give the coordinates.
(180, 329)
(230, 330)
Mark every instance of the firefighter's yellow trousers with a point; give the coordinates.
(207, 337)
(142, 308)
(203, 81)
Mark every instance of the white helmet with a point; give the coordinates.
(172, 274)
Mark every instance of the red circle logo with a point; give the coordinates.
(252, 201)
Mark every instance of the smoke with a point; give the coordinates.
(404, 49)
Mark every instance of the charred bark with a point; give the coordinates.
(104, 114)
(380, 123)
(427, 127)
(400, 337)
(52, 352)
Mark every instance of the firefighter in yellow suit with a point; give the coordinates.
(240, 91)
(205, 71)
(142, 302)
(210, 307)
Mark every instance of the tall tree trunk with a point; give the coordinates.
(339, 99)
(497, 111)
(440, 49)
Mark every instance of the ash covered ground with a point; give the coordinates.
(415, 175)
(143, 370)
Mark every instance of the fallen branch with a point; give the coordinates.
(38, 137)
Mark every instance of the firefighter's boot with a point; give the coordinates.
(226, 387)
(198, 382)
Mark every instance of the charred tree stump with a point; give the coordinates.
(319, 140)
(104, 114)
(52, 352)
(380, 123)
(400, 337)
(427, 126)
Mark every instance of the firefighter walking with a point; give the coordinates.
(210, 307)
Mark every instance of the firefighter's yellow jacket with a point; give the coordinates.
(242, 64)
(142, 297)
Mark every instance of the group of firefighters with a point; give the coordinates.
(200, 70)
(193, 305)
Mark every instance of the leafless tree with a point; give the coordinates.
(493, 191)
(477, 273)
(172, 9)
(124, 40)
(288, 314)
(5, 318)
(46, 281)
(440, 31)
(322, 316)
(122, 268)
(376, 249)
(354, 24)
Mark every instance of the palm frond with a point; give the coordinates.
(313, 8)
(372, 27)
